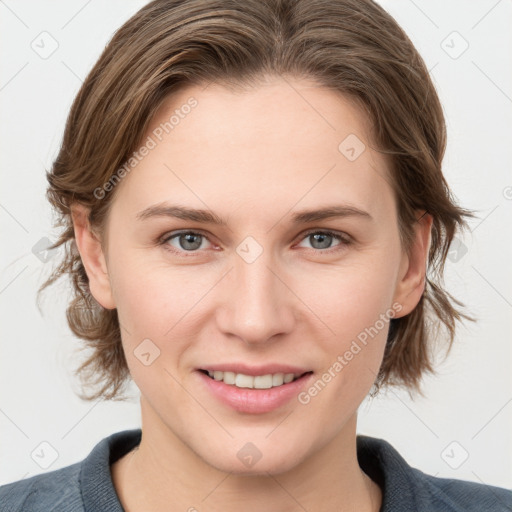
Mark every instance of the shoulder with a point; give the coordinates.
(54, 490)
(408, 488)
(85, 485)
(464, 496)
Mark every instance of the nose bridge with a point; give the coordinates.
(258, 304)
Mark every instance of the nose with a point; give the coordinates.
(257, 304)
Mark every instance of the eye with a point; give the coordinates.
(184, 241)
(322, 240)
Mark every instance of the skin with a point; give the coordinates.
(254, 157)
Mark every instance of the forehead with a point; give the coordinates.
(286, 138)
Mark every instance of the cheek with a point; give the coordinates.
(351, 357)
(161, 313)
(154, 307)
(152, 295)
(358, 310)
(350, 299)
(356, 306)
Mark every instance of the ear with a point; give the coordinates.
(412, 275)
(93, 258)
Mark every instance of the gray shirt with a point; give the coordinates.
(87, 486)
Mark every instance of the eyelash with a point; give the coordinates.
(344, 240)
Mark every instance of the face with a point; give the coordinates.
(294, 268)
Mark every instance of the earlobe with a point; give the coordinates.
(412, 278)
(93, 258)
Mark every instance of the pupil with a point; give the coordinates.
(189, 239)
(321, 237)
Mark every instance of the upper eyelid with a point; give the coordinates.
(172, 234)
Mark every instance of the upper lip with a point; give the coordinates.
(255, 370)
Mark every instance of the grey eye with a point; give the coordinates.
(187, 241)
(320, 240)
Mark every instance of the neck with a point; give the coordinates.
(162, 470)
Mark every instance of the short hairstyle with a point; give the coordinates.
(353, 47)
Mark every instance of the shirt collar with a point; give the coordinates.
(98, 491)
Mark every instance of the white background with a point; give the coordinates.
(467, 408)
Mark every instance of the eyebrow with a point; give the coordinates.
(208, 217)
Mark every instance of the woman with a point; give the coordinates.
(256, 224)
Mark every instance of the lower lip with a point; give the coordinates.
(254, 401)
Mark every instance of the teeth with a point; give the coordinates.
(277, 379)
(288, 377)
(229, 377)
(241, 380)
(244, 381)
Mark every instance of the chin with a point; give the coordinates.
(245, 458)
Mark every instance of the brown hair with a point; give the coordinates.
(351, 46)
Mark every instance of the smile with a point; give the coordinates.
(241, 380)
(267, 389)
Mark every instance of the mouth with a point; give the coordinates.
(265, 381)
(254, 390)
